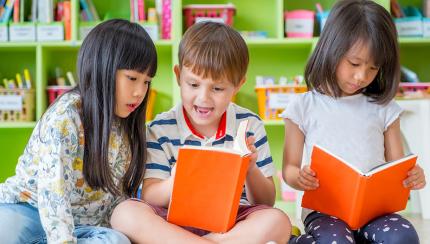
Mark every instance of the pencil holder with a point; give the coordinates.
(272, 100)
(299, 23)
(55, 91)
(195, 13)
(16, 105)
(321, 19)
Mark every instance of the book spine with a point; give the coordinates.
(67, 20)
(357, 202)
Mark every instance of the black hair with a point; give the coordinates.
(351, 21)
(112, 45)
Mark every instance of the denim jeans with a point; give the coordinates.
(20, 223)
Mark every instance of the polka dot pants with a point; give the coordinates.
(321, 228)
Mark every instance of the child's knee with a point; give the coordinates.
(127, 210)
(277, 220)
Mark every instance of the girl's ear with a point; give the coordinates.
(177, 73)
(237, 88)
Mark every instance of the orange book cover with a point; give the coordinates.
(353, 196)
(208, 185)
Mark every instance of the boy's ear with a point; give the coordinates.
(177, 73)
(242, 81)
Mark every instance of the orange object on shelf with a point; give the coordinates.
(151, 103)
(16, 105)
(354, 196)
(273, 99)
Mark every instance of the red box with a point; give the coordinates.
(194, 13)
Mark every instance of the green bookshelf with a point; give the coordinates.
(275, 56)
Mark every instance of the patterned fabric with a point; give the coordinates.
(49, 173)
(169, 131)
(391, 228)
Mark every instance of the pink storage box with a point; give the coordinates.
(194, 13)
(299, 23)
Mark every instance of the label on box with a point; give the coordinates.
(50, 32)
(152, 30)
(84, 30)
(409, 27)
(299, 25)
(279, 100)
(426, 27)
(3, 33)
(23, 32)
(11, 102)
(212, 19)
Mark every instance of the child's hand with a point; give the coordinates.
(307, 180)
(416, 179)
(253, 157)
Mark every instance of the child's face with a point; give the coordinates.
(204, 100)
(356, 70)
(131, 88)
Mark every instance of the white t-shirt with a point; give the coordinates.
(350, 127)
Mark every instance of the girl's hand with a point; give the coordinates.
(253, 157)
(306, 179)
(416, 179)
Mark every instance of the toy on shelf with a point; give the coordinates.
(17, 99)
(195, 13)
(273, 98)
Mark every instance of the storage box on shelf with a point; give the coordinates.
(195, 13)
(272, 100)
(16, 105)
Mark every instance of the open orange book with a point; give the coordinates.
(353, 196)
(208, 185)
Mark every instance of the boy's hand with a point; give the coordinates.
(306, 179)
(253, 157)
(416, 179)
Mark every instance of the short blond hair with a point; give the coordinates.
(214, 50)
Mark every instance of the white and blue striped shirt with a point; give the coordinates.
(169, 131)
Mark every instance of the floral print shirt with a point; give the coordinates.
(49, 173)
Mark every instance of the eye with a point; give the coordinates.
(218, 89)
(132, 78)
(147, 82)
(374, 68)
(354, 64)
(193, 84)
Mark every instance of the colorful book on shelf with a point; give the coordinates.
(354, 196)
(208, 185)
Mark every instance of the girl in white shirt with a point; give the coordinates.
(353, 76)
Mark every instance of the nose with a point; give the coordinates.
(140, 91)
(203, 94)
(360, 76)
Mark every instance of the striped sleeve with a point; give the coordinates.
(264, 157)
(158, 162)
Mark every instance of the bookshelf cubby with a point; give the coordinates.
(274, 56)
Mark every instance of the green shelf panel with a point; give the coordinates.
(256, 15)
(326, 4)
(12, 144)
(163, 80)
(16, 125)
(275, 136)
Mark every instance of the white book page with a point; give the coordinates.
(389, 164)
(239, 143)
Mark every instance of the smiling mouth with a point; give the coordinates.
(203, 110)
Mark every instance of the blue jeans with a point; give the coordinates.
(20, 223)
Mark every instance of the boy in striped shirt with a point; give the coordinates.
(213, 59)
